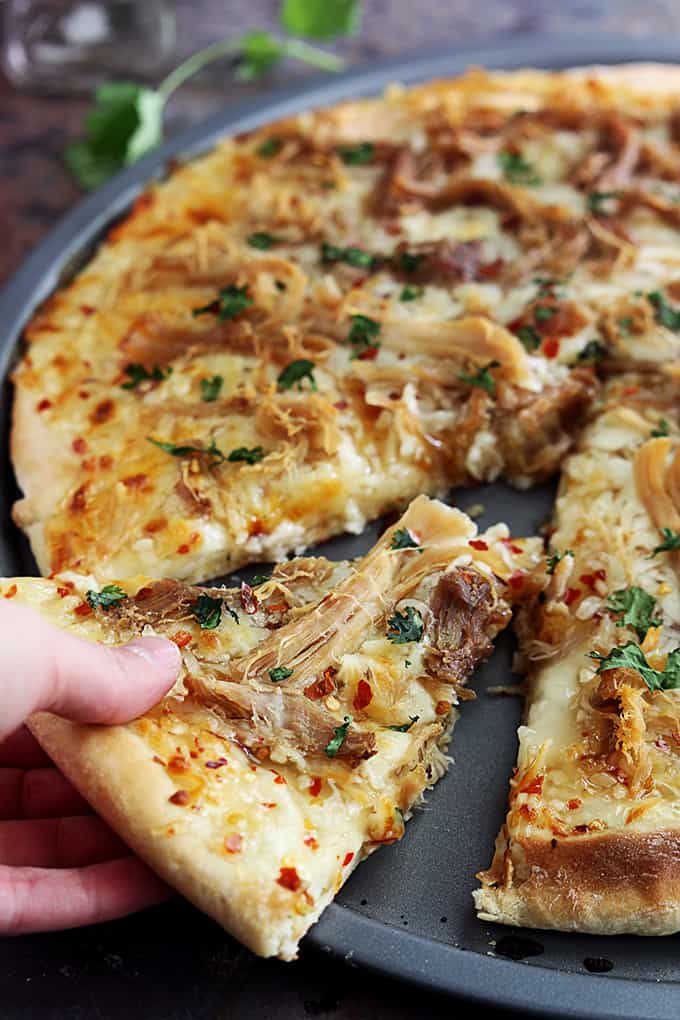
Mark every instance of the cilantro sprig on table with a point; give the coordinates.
(126, 119)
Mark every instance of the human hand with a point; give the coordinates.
(60, 865)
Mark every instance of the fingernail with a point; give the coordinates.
(158, 652)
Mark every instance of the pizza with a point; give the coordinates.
(301, 331)
(592, 835)
(312, 712)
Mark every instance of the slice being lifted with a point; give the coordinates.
(592, 836)
(311, 714)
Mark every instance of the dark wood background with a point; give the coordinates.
(79, 974)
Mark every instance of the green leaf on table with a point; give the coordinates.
(321, 19)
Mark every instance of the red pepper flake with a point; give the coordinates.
(551, 347)
(84, 609)
(341, 405)
(574, 804)
(182, 638)
(442, 707)
(178, 763)
(368, 354)
(280, 780)
(323, 686)
(349, 857)
(478, 543)
(571, 595)
(248, 599)
(103, 412)
(217, 764)
(277, 607)
(179, 797)
(233, 843)
(61, 592)
(629, 391)
(183, 549)
(289, 879)
(516, 579)
(43, 404)
(311, 842)
(268, 803)
(83, 394)
(87, 309)
(135, 481)
(11, 591)
(79, 445)
(315, 786)
(535, 786)
(363, 696)
(511, 546)
(527, 812)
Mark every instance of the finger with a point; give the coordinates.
(38, 793)
(22, 750)
(47, 668)
(36, 899)
(58, 842)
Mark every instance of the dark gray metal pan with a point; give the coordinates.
(407, 912)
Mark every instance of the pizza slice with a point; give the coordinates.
(313, 711)
(591, 841)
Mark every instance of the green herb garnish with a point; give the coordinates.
(295, 372)
(411, 293)
(406, 726)
(593, 351)
(260, 579)
(544, 312)
(403, 539)
(529, 337)
(357, 155)
(483, 378)
(661, 429)
(664, 313)
(356, 257)
(110, 595)
(138, 373)
(625, 325)
(516, 170)
(362, 335)
(242, 453)
(671, 541)
(229, 303)
(208, 611)
(336, 742)
(213, 452)
(262, 240)
(597, 201)
(554, 559)
(631, 656)
(210, 388)
(408, 261)
(279, 673)
(637, 607)
(405, 627)
(269, 147)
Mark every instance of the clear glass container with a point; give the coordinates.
(59, 46)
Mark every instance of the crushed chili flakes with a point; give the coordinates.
(11, 591)
(574, 803)
(182, 638)
(551, 347)
(571, 595)
(83, 609)
(289, 879)
(315, 786)
(478, 543)
(511, 545)
(349, 857)
(183, 549)
(43, 404)
(179, 797)
(281, 780)
(268, 803)
(178, 763)
(62, 592)
(79, 445)
(363, 696)
(590, 580)
(233, 843)
(277, 607)
(535, 786)
(516, 579)
(311, 842)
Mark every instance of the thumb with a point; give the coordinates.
(44, 668)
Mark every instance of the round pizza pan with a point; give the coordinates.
(407, 912)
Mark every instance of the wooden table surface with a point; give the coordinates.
(35, 189)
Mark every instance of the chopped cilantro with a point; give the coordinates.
(529, 337)
(664, 313)
(210, 388)
(213, 452)
(362, 334)
(242, 453)
(544, 312)
(625, 325)
(336, 742)
(631, 656)
(229, 303)
(554, 559)
(295, 372)
(411, 293)
(403, 539)
(594, 350)
(269, 147)
(661, 429)
(110, 595)
(262, 240)
(279, 673)
(260, 579)
(357, 155)
(406, 726)
(516, 170)
(408, 261)
(671, 541)
(405, 627)
(356, 257)
(483, 378)
(637, 607)
(138, 374)
(208, 611)
(597, 201)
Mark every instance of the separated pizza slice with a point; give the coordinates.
(591, 841)
(313, 711)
